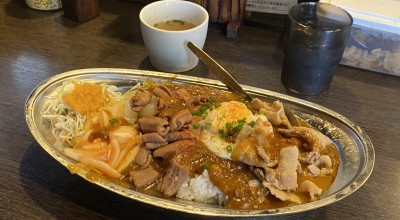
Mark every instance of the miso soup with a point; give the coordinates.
(174, 25)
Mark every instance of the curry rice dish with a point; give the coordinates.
(194, 143)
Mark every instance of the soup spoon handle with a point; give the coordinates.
(219, 71)
(229, 81)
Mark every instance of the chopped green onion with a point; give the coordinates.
(207, 165)
(179, 21)
(222, 133)
(196, 125)
(228, 125)
(203, 109)
(197, 113)
(207, 106)
(238, 128)
(244, 101)
(213, 99)
(252, 123)
(113, 121)
(229, 148)
(243, 120)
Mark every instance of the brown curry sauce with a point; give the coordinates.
(233, 177)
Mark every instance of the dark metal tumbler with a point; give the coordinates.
(314, 42)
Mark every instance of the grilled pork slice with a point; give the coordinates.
(141, 98)
(152, 124)
(170, 150)
(180, 135)
(143, 177)
(180, 119)
(173, 179)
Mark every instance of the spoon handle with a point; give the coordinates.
(219, 71)
(229, 81)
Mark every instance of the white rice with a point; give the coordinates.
(200, 189)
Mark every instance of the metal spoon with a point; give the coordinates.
(218, 70)
(229, 81)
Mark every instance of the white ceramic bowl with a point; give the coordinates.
(167, 49)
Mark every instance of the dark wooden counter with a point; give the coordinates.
(35, 45)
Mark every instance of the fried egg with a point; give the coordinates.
(215, 122)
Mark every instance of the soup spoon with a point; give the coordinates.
(219, 71)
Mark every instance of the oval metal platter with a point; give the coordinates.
(355, 148)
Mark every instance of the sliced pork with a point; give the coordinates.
(143, 157)
(152, 138)
(284, 177)
(282, 195)
(199, 100)
(152, 124)
(313, 138)
(317, 164)
(173, 179)
(324, 161)
(309, 187)
(310, 157)
(254, 154)
(162, 91)
(274, 112)
(180, 119)
(140, 99)
(180, 135)
(143, 177)
(152, 146)
(182, 95)
(326, 171)
(257, 104)
(261, 152)
(170, 150)
(160, 103)
(313, 170)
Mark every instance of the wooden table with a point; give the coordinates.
(35, 45)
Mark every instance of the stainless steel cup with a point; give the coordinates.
(314, 42)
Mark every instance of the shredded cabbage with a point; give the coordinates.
(66, 124)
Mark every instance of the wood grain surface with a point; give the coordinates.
(35, 45)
